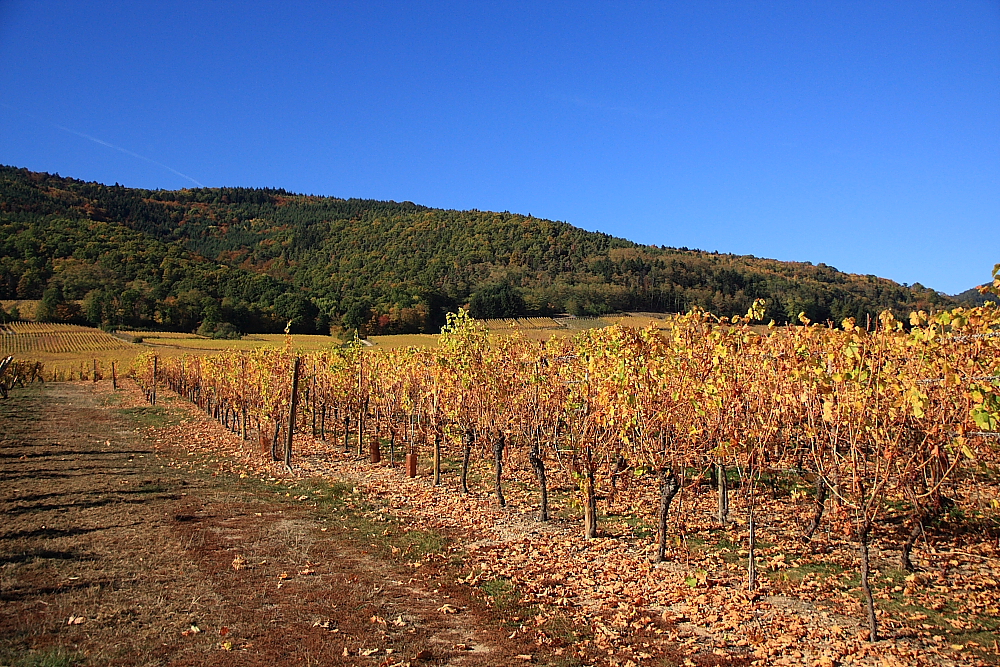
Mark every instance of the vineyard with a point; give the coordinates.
(28, 338)
(72, 352)
(65, 351)
(884, 433)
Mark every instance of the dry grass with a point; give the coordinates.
(404, 340)
(24, 306)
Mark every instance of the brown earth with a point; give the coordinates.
(111, 553)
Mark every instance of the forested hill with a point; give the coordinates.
(250, 259)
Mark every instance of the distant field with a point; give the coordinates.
(541, 328)
(404, 340)
(534, 328)
(639, 320)
(195, 344)
(523, 324)
(70, 351)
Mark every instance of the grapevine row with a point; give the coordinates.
(866, 416)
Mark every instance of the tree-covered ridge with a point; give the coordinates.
(388, 266)
(60, 248)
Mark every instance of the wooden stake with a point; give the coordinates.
(291, 414)
(437, 458)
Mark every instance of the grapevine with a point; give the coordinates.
(891, 413)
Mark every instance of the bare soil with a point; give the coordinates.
(113, 553)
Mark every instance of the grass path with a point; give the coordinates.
(111, 555)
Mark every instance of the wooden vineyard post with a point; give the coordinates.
(363, 408)
(152, 399)
(411, 454)
(312, 400)
(361, 431)
(95, 370)
(347, 431)
(375, 450)
(498, 447)
(291, 414)
(114, 377)
(437, 458)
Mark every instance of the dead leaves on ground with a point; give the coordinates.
(625, 609)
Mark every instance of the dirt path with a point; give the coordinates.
(112, 553)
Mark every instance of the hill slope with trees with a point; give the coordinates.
(245, 259)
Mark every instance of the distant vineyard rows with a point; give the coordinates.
(21, 338)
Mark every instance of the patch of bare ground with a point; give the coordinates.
(112, 554)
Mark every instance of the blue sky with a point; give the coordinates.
(865, 135)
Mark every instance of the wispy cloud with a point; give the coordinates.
(105, 143)
(608, 107)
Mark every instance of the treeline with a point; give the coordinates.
(254, 258)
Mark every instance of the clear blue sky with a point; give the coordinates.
(865, 135)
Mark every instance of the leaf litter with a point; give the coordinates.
(627, 610)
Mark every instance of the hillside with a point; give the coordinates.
(251, 259)
(972, 297)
